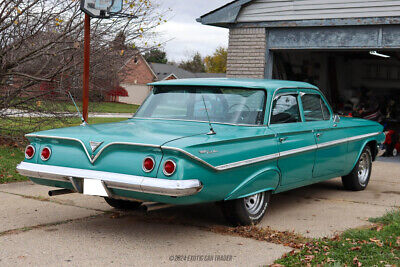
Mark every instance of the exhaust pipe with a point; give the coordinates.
(53, 193)
(156, 206)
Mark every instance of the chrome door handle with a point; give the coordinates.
(282, 139)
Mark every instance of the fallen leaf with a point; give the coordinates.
(356, 262)
(355, 248)
(309, 258)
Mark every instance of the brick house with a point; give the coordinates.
(137, 73)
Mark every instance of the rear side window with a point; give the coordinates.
(285, 109)
(314, 108)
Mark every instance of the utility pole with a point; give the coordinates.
(86, 68)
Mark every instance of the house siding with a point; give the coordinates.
(284, 10)
(246, 53)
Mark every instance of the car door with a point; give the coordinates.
(330, 153)
(296, 141)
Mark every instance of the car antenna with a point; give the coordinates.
(211, 132)
(77, 109)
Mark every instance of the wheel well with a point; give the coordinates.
(373, 145)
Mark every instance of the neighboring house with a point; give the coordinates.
(135, 76)
(137, 73)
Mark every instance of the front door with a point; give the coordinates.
(330, 138)
(296, 140)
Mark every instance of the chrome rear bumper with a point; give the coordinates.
(174, 188)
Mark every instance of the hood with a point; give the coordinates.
(140, 131)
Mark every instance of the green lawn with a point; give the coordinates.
(376, 246)
(19, 126)
(100, 107)
(11, 156)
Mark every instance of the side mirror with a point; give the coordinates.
(336, 120)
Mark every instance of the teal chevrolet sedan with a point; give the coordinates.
(231, 141)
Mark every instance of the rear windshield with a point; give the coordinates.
(224, 105)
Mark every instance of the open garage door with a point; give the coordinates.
(356, 83)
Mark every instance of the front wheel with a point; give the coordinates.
(358, 179)
(246, 211)
(122, 204)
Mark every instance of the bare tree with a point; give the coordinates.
(41, 53)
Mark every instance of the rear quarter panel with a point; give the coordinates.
(231, 145)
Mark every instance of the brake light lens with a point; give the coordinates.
(46, 153)
(148, 164)
(169, 167)
(29, 152)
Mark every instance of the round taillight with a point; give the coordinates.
(169, 167)
(46, 153)
(148, 164)
(29, 152)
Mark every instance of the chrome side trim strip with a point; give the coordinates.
(247, 162)
(349, 139)
(174, 188)
(297, 150)
(189, 155)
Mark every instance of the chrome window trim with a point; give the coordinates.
(298, 106)
(321, 99)
(261, 88)
(175, 188)
(318, 91)
(247, 161)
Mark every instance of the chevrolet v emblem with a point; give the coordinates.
(95, 145)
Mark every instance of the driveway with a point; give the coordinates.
(75, 229)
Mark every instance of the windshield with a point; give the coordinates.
(224, 105)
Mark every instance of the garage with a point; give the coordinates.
(350, 50)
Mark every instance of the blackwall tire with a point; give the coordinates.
(246, 211)
(359, 177)
(122, 204)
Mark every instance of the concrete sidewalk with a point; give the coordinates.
(81, 230)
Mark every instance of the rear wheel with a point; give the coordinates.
(246, 211)
(122, 204)
(358, 179)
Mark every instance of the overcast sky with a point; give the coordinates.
(188, 35)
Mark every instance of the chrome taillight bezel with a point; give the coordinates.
(154, 164)
(166, 173)
(41, 156)
(34, 152)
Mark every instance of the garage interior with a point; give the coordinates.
(356, 82)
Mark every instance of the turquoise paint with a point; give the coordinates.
(298, 167)
(232, 143)
(265, 181)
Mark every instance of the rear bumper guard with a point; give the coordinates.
(110, 180)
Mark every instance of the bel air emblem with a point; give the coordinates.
(95, 145)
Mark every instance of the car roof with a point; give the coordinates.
(269, 85)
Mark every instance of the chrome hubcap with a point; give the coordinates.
(254, 203)
(363, 168)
